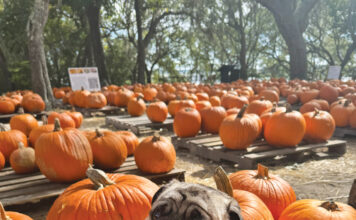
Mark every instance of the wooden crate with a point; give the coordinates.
(209, 146)
(138, 125)
(107, 110)
(18, 189)
(343, 132)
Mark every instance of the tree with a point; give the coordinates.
(39, 73)
(292, 20)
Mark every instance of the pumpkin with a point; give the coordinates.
(22, 160)
(308, 95)
(187, 122)
(329, 93)
(211, 119)
(6, 106)
(65, 120)
(215, 101)
(269, 94)
(36, 132)
(24, 123)
(259, 106)
(149, 93)
(324, 105)
(232, 101)
(352, 119)
(12, 215)
(59, 94)
(122, 97)
(266, 115)
(96, 100)
(285, 129)
(275, 192)
(80, 98)
(341, 113)
(112, 196)
(155, 154)
(202, 104)
(2, 161)
(232, 111)
(157, 112)
(292, 99)
(239, 131)
(9, 141)
(202, 96)
(318, 210)
(252, 207)
(136, 106)
(63, 155)
(186, 103)
(109, 150)
(320, 126)
(76, 116)
(309, 107)
(33, 103)
(172, 105)
(130, 139)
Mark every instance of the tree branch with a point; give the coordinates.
(302, 13)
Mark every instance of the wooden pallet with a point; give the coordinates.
(138, 125)
(20, 189)
(5, 118)
(209, 146)
(343, 132)
(107, 110)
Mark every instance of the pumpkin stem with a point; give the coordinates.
(2, 127)
(21, 111)
(57, 125)
(347, 103)
(156, 137)
(222, 181)
(44, 120)
(262, 172)
(3, 215)
(242, 111)
(288, 108)
(98, 177)
(98, 133)
(21, 146)
(316, 112)
(274, 107)
(330, 206)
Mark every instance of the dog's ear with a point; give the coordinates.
(234, 211)
(162, 189)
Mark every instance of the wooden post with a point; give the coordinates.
(352, 196)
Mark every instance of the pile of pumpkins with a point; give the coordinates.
(29, 101)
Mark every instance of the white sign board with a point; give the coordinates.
(84, 77)
(334, 72)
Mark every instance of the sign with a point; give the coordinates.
(334, 72)
(84, 77)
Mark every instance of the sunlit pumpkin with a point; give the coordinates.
(187, 122)
(157, 111)
(9, 141)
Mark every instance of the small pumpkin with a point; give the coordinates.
(233, 101)
(80, 98)
(113, 196)
(65, 120)
(130, 140)
(149, 93)
(155, 154)
(36, 132)
(329, 93)
(259, 106)
(320, 126)
(59, 94)
(185, 103)
(136, 106)
(122, 97)
(12, 215)
(63, 155)
(157, 112)
(76, 116)
(187, 122)
(292, 99)
(9, 141)
(33, 103)
(202, 96)
(96, 100)
(269, 94)
(275, 192)
(341, 113)
(22, 160)
(318, 210)
(172, 105)
(6, 106)
(215, 100)
(211, 119)
(109, 150)
(200, 105)
(24, 123)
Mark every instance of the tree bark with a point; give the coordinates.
(93, 15)
(39, 73)
(6, 84)
(141, 53)
(352, 196)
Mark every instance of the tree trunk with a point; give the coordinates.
(6, 84)
(352, 196)
(39, 73)
(93, 15)
(243, 52)
(141, 55)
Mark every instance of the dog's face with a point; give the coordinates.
(193, 202)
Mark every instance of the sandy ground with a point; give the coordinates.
(329, 178)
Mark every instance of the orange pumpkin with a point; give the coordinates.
(113, 196)
(239, 131)
(22, 160)
(80, 98)
(96, 100)
(329, 93)
(77, 117)
(172, 105)
(2, 161)
(130, 140)
(65, 120)
(24, 123)
(215, 101)
(149, 93)
(9, 141)
(233, 101)
(352, 119)
(68, 157)
(308, 95)
(309, 107)
(157, 111)
(211, 119)
(36, 132)
(232, 111)
(12, 215)
(292, 99)
(6, 106)
(259, 106)
(155, 154)
(122, 97)
(285, 129)
(341, 113)
(269, 94)
(320, 126)
(318, 210)
(275, 192)
(33, 103)
(59, 94)
(136, 106)
(202, 96)
(187, 122)
(186, 103)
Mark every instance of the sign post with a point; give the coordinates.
(84, 77)
(334, 72)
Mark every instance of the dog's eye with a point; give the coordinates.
(160, 211)
(195, 215)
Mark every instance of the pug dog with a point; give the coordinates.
(178, 201)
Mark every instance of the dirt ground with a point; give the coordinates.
(328, 178)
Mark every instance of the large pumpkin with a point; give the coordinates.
(320, 126)
(109, 150)
(12, 215)
(32, 102)
(22, 160)
(155, 154)
(318, 210)
(157, 111)
(24, 123)
(285, 129)
(96, 100)
(211, 119)
(63, 155)
(341, 113)
(187, 122)
(80, 98)
(275, 192)
(65, 119)
(130, 140)
(239, 131)
(36, 132)
(105, 196)
(9, 141)
(136, 106)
